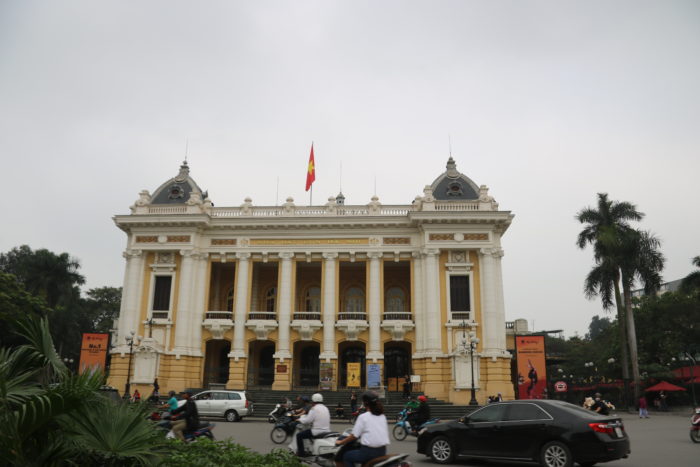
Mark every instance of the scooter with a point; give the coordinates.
(389, 460)
(283, 429)
(403, 428)
(276, 413)
(321, 449)
(357, 413)
(695, 426)
(204, 429)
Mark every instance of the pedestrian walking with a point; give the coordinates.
(643, 412)
(353, 402)
(406, 387)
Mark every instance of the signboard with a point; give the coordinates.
(560, 386)
(374, 375)
(354, 375)
(93, 352)
(415, 378)
(532, 372)
(281, 368)
(326, 376)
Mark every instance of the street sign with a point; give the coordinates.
(560, 386)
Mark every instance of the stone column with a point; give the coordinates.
(131, 295)
(329, 300)
(418, 306)
(489, 303)
(375, 308)
(184, 304)
(500, 318)
(240, 305)
(433, 321)
(198, 307)
(284, 310)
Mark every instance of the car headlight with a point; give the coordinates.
(423, 430)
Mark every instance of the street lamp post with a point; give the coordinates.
(687, 356)
(470, 346)
(127, 388)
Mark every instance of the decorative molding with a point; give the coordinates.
(242, 256)
(165, 257)
(178, 238)
(329, 256)
(495, 252)
(396, 240)
(352, 328)
(441, 237)
(458, 256)
(147, 239)
(218, 327)
(306, 328)
(224, 241)
(398, 328)
(307, 241)
(476, 236)
(130, 254)
(261, 327)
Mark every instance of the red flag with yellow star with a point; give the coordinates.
(311, 170)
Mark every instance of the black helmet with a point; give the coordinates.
(305, 398)
(369, 397)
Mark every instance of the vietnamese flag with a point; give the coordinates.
(311, 170)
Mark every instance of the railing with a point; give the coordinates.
(397, 315)
(160, 314)
(452, 206)
(219, 315)
(269, 315)
(344, 316)
(307, 315)
(510, 324)
(167, 210)
(460, 315)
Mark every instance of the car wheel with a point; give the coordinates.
(555, 454)
(278, 435)
(400, 433)
(232, 416)
(441, 450)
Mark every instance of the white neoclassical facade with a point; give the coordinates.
(271, 296)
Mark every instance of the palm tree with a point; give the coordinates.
(692, 281)
(602, 226)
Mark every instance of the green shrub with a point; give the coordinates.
(206, 453)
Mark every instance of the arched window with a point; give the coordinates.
(312, 301)
(270, 298)
(355, 300)
(229, 300)
(395, 300)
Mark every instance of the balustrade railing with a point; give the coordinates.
(307, 315)
(269, 315)
(460, 316)
(345, 316)
(397, 315)
(160, 315)
(219, 315)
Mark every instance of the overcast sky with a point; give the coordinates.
(547, 103)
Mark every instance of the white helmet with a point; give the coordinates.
(317, 398)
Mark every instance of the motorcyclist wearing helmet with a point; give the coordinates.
(190, 419)
(372, 431)
(320, 419)
(421, 414)
(302, 406)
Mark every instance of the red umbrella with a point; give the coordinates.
(664, 386)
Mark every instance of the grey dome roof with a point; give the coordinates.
(453, 185)
(177, 190)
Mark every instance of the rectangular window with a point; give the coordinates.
(459, 293)
(161, 293)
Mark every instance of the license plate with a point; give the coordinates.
(618, 432)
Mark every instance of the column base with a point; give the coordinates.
(328, 356)
(374, 356)
(236, 374)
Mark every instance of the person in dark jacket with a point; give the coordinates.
(421, 414)
(190, 417)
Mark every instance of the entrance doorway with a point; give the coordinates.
(397, 364)
(306, 364)
(261, 363)
(351, 352)
(216, 364)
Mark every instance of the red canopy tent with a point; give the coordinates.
(664, 386)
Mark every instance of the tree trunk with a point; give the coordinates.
(624, 355)
(631, 337)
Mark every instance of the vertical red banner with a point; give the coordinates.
(93, 351)
(532, 369)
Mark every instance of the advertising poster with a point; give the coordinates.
(93, 351)
(532, 372)
(326, 376)
(354, 376)
(374, 375)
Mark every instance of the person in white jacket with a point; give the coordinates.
(320, 419)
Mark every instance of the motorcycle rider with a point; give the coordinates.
(421, 414)
(172, 402)
(190, 420)
(320, 419)
(372, 431)
(599, 405)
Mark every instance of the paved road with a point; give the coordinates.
(661, 441)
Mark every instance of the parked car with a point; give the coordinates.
(231, 405)
(553, 433)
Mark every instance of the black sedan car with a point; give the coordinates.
(553, 433)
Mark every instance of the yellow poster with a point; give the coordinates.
(353, 375)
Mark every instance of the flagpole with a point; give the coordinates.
(311, 194)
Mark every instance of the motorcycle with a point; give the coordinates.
(283, 429)
(695, 426)
(357, 413)
(166, 424)
(403, 427)
(276, 413)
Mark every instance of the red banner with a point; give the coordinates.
(532, 371)
(93, 352)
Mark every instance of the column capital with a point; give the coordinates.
(329, 255)
(431, 252)
(416, 254)
(494, 252)
(286, 255)
(374, 255)
(242, 256)
(188, 253)
(129, 254)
